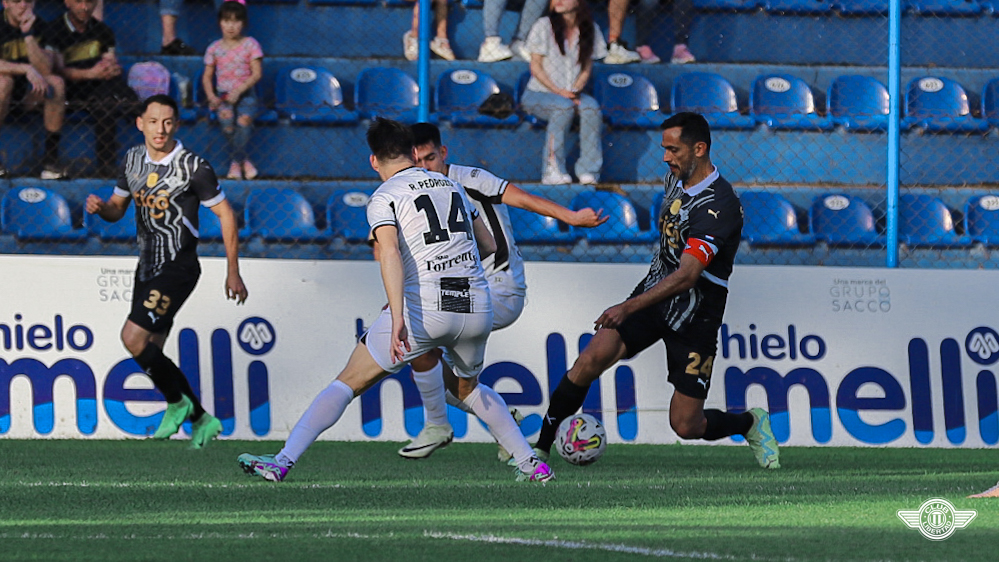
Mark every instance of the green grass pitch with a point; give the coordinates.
(143, 500)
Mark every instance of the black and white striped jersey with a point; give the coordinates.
(705, 221)
(166, 196)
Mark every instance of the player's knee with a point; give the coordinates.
(686, 428)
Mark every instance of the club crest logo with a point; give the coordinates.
(937, 519)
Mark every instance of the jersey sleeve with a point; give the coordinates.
(711, 226)
(483, 185)
(206, 185)
(381, 211)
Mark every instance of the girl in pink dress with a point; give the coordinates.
(232, 69)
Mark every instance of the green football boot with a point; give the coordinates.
(762, 441)
(174, 416)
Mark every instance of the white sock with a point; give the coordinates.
(324, 411)
(492, 409)
(431, 386)
(453, 401)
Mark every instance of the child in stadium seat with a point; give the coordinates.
(563, 46)
(440, 46)
(233, 66)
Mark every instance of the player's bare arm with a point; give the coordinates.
(111, 210)
(234, 287)
(516, 197)
(483, 238)
(680, 280)
(392, 277)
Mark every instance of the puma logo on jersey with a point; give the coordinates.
(704, 383)
(713, 213)
(153, 317)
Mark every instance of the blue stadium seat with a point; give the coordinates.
(940, 105)
(945, 7)
(727, 5)
(771, 220)
(924, 220)
(346, 214)
(657, 203)
(460, 93)
(311, 95)
(841, 219)
(862, 7)
(798, 6)
(387, 92)
(472, 4)
(783, 101)
(37, 213)
(981, 219)
(281, 215)
(622, 224)
(990, 102)
(532, 228)
(858, 103)
(370, 3)
(121, 231)
(628, 100)
(712, 96)
(209, 226)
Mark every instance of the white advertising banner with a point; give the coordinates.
(839, 356)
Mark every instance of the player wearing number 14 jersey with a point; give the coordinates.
(427, 237)
(168, 184)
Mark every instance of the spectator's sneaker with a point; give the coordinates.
(410, 46)
(503, 455)
(540, 453)
(432, 437)
(235, 171)
(263, 466)
(618, 53)
(177, 48)
(588, 179)
(208, 427)
(556, 178)
(519, 49)
(762, 441)
(493, 50)
(681, 55)
(540, 472)
(992, 492)
(54, 171)
(250, 171)
(174, 416)
(648, 55)
(442, 48)
(4, 172)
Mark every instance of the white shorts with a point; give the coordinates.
(508, 300)
(463, 336)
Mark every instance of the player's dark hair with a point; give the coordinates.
(425, 133)
(390, 139)
(231, 9)
(161, 99)
(584, 21)
(694, 128)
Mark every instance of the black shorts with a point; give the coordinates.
(155, 302)
(690, 352)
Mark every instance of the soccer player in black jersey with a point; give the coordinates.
(681, 301)
(168, 183)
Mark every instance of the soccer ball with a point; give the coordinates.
(581, 439)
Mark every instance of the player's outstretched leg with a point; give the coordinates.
(264, 466)
(992, 492)
(502, 454)
(174, 416)
(432, 437)
(207, 427)
(761, 440)
(490, 407)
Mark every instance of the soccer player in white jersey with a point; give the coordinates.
(504, 271)
(423, 225)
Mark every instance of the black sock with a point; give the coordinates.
(52, 147)
(566, 400)
(168, 377)
(724, 424)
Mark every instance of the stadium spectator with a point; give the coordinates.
(680, 301)
(169, 184)
(492, 48)
(563, 46)
(171, 44)
(682, 12)
(429, 307)
(232, 69)
(85, 56)
(439, 45)
(504, 273)
(26, 75)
